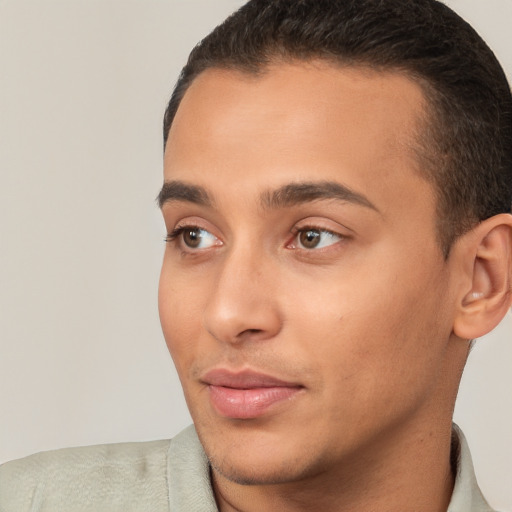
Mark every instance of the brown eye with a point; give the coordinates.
(192, 237)
(309, 239)
(316, 238)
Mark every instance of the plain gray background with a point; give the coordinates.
(83, 86)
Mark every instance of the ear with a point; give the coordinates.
(486, 288)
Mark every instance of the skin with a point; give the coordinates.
(364, 322)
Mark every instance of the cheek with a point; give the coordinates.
(366, 328)
(178, 306)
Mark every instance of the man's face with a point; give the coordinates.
(303, 296)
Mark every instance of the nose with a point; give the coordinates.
(243, 304)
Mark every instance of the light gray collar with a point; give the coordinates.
(188, 475)
(466, 496)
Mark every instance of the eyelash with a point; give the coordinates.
(176, 232)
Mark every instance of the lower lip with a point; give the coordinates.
(248, 403)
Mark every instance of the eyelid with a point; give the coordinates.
(322, 224)
(191, 222)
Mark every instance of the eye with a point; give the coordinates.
(315, 238)
(193, 237)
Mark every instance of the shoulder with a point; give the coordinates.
(128, 476)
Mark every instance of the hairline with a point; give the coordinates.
(423, 142)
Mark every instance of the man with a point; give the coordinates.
(337, 195)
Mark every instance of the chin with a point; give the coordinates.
(263, 471)
(259, 458)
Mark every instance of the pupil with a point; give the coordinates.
(192, 237)
(310, 239)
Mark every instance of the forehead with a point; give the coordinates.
(299, 121)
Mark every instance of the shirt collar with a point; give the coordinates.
(466, 496)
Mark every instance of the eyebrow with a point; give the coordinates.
(305, 192)
(180, 191)
(286, 196)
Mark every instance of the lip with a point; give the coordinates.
(247, 394)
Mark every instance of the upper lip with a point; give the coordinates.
(246, 379)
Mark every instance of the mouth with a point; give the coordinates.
(247, 394)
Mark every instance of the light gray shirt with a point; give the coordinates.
(156, 476)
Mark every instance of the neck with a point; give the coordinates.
(401, 472)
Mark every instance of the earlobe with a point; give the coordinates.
(487, 292)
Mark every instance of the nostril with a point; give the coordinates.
(249, 333)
